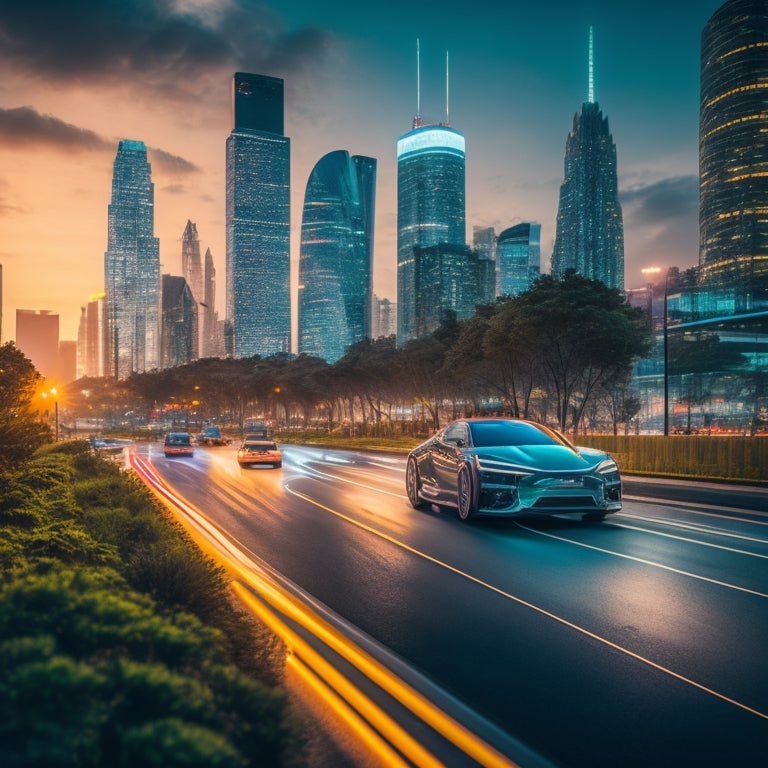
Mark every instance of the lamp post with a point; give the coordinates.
(52, 393)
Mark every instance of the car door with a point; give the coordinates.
(446, 458)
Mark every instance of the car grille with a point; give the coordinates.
(564, 501)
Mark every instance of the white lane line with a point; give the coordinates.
(697, 527)
(641, 560)
(317, 472)
(531, 606)
(677, 536)
(696, 508)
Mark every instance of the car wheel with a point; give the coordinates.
(278, 465)
(467, 493)
(413, 484)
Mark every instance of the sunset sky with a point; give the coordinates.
(80, 75)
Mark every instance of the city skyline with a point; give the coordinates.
(350, 79)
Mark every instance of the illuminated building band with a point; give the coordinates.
(431, 139)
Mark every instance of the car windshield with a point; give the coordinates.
(259, 446)
(177, 440)
(497, 433)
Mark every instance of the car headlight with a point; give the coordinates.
(607, 466)
(489, 466)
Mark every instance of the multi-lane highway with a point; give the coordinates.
(639, 641)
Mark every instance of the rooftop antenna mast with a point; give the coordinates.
(417, 119)
(591, 94)
(447, 113)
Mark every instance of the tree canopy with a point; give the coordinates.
(546, 355)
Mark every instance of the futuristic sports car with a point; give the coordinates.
(513, 468)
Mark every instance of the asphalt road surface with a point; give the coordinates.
(639, 641)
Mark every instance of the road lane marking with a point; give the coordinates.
(678, 537)
(697, 507)
(641, 560)
(698, 527)
(533, 607)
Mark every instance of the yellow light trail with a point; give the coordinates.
(214, 543)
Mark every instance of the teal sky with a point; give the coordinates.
(79, 76)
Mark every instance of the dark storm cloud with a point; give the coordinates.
(673, 198)
(172, 164)
(24, 126)
(90, 40)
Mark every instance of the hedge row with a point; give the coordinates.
(119, 645)
(697, 457)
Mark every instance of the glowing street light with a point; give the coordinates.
(52, 393)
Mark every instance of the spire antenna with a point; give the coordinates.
(417, 119)
(591, 94)
(447, 112)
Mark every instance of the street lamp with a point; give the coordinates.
(52, 393)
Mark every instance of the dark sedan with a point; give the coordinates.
(511, 468)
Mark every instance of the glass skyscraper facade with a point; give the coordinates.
(590, 230)
(431, 207)
(733, 144)
(518, 259)
(179, 323)
(258, 293)
(132, 266)
(449, 278)
(336, 260)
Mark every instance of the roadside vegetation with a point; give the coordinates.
(119, 645)
(561, 353)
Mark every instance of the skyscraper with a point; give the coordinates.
(258, 219)
(733, 144)
(590, 231)
(518, 259)
(208, 344)
(384, 320)
(91, 339)
(336, 259)
(192, 271)
(431, 206)
(132, 265)
(179, 343)
(37, 336)
(449, 278)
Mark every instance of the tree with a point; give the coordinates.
(584, 335)
(20, 426)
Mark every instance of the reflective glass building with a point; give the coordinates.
(431, 207)
(449, 278)
(518, 259)
(132, 266)
(590, 229)
(179, 323)
(336, 259)
(709, 367)
(733, 144)
(258, 293)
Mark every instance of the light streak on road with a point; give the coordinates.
(261, 589)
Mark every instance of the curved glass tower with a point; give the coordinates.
(132, 266)
(733, 143)
(336, 260)
(431, 206)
